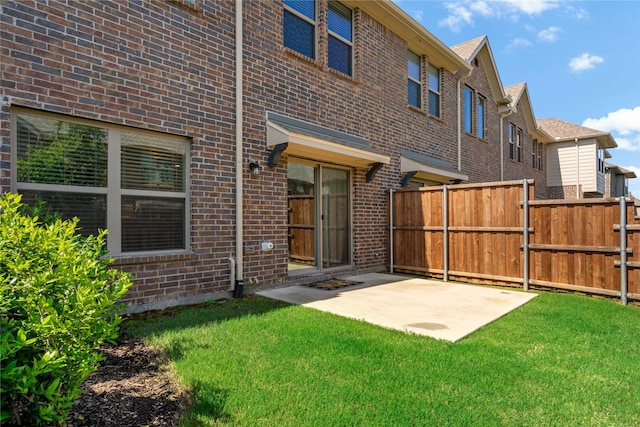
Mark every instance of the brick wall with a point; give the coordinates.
(563, 192)
(167, 67)
(150, 65)
(514, 170)
(481, 157)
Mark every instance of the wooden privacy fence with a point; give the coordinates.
(495, 233)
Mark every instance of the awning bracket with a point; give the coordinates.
(277, 151)
(407, 177)
(372, 171)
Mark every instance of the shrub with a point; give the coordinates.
(57, 305)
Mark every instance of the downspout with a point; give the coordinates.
(577, 169)
(460, 80)
(238, 286)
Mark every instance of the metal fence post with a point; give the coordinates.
(391, 260)
(525, 226)
(445, 232)
(623, 250)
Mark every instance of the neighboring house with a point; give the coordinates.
(575, 159)
(616, 180)
(498, 123)
(217, 161)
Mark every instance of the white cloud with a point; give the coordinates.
(458, 15)
(518, 43)
(623, 124)
(463, 12)
(530, 7)
(549, 35)
(482, 8)
(577, 13)
(584, 62)
(418, 14)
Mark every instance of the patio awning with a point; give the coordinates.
(430, 169)
(315, 142)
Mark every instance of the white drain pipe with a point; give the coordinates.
(238, 286)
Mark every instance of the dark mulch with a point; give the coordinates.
(328, 285)
(132, 388)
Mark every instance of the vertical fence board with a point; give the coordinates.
(572, 242)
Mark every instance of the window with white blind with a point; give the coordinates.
(130, 182)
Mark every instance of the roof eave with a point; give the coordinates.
(418, 38)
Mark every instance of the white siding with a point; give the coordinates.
(565, 158)
(561, 164)
(589, 167)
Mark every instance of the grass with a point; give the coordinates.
(558, 360)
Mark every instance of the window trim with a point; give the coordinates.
(312, 22)
(341, 39)
(113, 191)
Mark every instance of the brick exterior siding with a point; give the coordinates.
(514, 170)
(167, 67)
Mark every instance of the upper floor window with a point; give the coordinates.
(601, 160)
(415, 79)
(300, 26)
(480, 116)
(536, 155)
(434, 91)
(512, 141)
(519, 145)
(468, 110)
(132, 183)
(340, 42)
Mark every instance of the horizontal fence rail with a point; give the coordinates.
(495, 233)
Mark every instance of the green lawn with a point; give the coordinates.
(560, 360)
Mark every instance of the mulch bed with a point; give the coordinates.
(132, 388)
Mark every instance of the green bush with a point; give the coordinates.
(57, 305)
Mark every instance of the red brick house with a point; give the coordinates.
(151, 118)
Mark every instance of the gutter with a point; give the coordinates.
(238, 286)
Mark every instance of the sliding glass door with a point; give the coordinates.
(319, 216)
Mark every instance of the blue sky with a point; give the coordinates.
(580, 59)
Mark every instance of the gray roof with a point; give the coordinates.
(429, 161)
(565, 131)
(320, 132)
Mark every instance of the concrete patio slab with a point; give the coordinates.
(446, 311)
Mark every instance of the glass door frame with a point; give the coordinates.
(318, 208)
